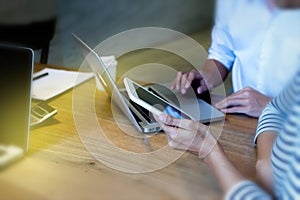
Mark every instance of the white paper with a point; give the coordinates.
(56, 82)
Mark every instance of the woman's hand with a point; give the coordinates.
(188, 135)
(197, 138)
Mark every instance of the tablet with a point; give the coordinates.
(151, 101)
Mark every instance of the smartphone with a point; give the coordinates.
(151, 101)
(40, 112)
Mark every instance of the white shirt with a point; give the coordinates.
(258, 42)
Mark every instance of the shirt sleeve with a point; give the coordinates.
(221, 45)
(274, 115)
(270, 120)
(247, 190)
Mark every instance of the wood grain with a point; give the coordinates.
(58, 165)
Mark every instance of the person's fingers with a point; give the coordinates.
(160, 123)
(202, 88)
(184, 80)
(177, 81)
(240, 97)
(191, 140)
(222, 104)
(166, 119)
(202, 85)
(173, 85)
(171, 133)
(185, 139)
(183, 83)
(189, 79)
(180, 136)
(181, 123)
(236, 109)
(180, 82)
(175, 124)
(173, 144)
(243, 93)
(232, 102)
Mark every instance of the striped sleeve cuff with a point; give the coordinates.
(247, 190)
(270, 120)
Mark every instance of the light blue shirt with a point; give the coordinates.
(258, 42)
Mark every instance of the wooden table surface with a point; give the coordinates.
(58, 165)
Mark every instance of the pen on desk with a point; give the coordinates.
(40, 76)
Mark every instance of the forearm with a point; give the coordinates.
(234, 185)
(224, 170)
(215, 72)
(264, 173)
(228, 175)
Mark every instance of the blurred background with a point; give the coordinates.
(96, 20)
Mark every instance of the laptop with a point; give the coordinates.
(207, 113)
(137, 115)
(15, 85)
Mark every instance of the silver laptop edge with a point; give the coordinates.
(207, 112)
(96, 63)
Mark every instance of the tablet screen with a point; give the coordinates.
(158, 103)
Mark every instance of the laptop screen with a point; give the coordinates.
(16, 66)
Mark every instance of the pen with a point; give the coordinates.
(40, 76)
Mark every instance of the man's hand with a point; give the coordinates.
(213, 74)
(247, 101)
(184, 80)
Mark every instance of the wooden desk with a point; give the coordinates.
(58, 166)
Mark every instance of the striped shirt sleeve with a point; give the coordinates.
(281, 115)
(247, 190)
(286, 157)
(274, 115)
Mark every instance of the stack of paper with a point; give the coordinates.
(48, 82)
